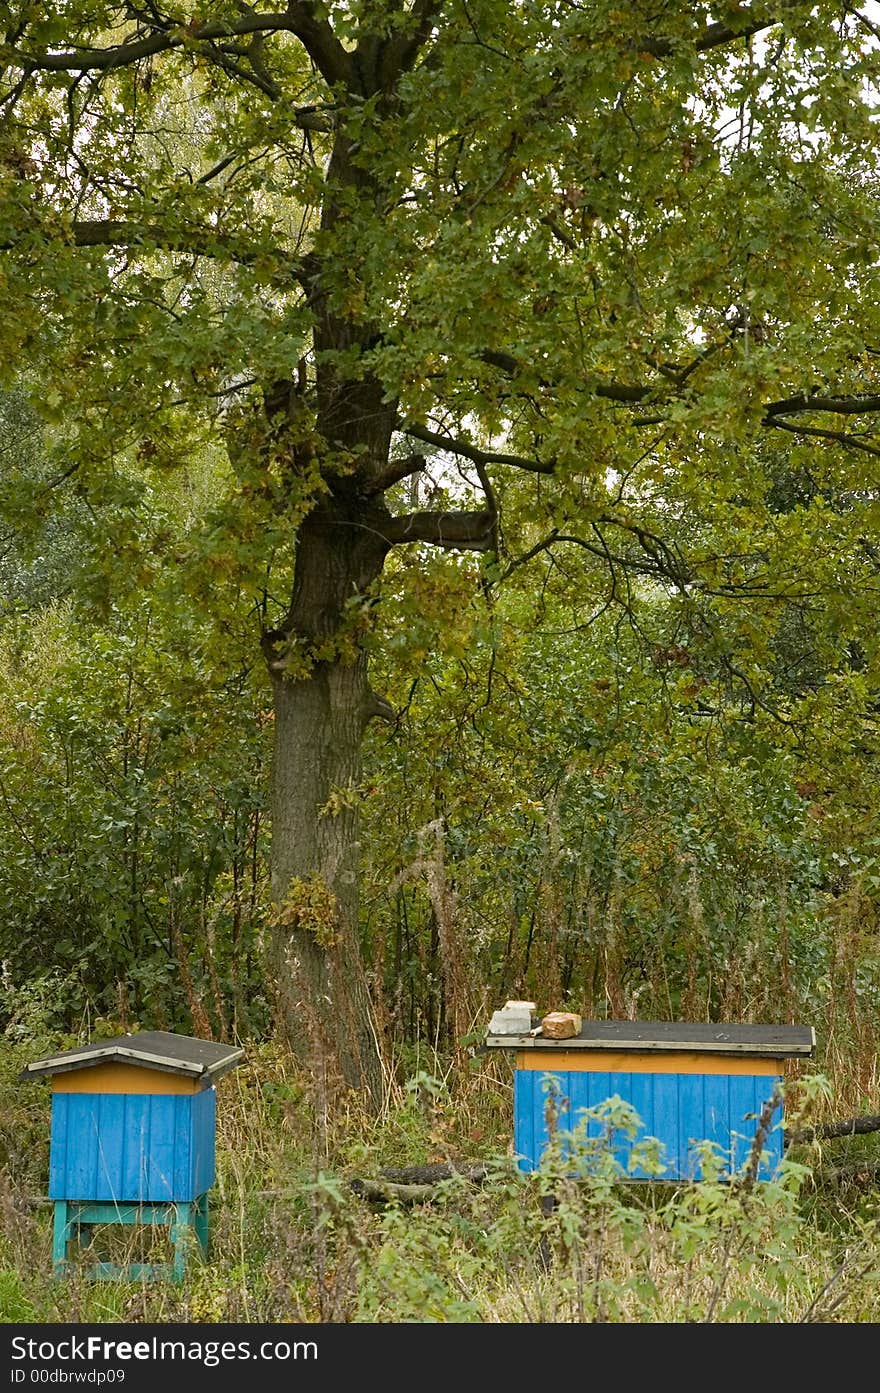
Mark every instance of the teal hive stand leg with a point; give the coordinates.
(60, 1235)
(181, 1228)
(201, 1223)
(186, 1221)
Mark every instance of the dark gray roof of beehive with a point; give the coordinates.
(149, 1049)
(778, 1041)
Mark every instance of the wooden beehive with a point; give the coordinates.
(688, 1083)
(133, 1131)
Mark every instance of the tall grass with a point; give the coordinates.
(294, 1241)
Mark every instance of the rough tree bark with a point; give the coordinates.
(319, 725)
(320, 716)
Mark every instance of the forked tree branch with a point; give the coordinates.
(394, 471)
(634, 393)
(852, 442)
(657, 557)
(385, 60)
(400, 52)
(334, 62)
(466, 450)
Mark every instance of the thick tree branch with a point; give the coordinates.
(623, 392)
(477, 456)
(841, 406)
(852, 442)
(465, 531)
(636, 392)
(394, 471)
(399, 54)
(312, 118)
(378, 708)
(109, 232)
(718, 34)
(560, 233)
(828, 1131)
(332, 60)
(402, 52)
(316, 35)
(610, 391)
(491, 503)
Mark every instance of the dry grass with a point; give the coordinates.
(292, 1242)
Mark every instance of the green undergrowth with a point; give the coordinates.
(294, 1240)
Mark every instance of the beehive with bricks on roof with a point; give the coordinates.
(687, 1082)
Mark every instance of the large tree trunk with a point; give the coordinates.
(322, 706)
(323, 997)
(322, 695)
(340, 428)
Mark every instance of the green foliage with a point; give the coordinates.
(309, 905)
(605, 1249)
(624, 832)
(132, 794)
(618, 268)
(15, 1306)
(24, 1120)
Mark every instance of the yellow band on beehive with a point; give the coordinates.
(581, 1061)
(122, 1078)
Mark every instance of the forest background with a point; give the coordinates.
(528, 358)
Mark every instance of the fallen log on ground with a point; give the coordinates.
(431, 1174)
(413, 1184)
(417, 1184)
(828, 1131)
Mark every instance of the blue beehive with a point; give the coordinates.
(688, 1083)
(133, 1137)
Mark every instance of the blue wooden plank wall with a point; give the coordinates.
(677, 1109)
(126, 1146)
